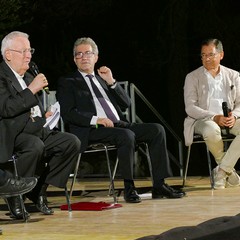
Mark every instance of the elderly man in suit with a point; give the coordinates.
(21, 123)
(205, 89)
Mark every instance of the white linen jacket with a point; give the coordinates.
(196, 97)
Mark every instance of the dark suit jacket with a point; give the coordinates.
(15, 105)
(77, 105)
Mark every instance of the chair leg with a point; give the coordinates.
(68, 199)
(25, 217)
(75, 175)
(110, 175)
(113, 177)
(210, 168)
(186, 167)
(68, 196)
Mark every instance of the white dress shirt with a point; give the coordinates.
(100, 111)
(217, 93)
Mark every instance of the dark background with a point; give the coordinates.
(152, 44)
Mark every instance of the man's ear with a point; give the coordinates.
(8, 55)
(96, 58)
(221, 55)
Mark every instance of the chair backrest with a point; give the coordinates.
(127, 112)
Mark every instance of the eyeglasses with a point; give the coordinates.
(24, 51)
(210, 55)
(80, 55)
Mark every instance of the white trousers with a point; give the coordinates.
(211, 133)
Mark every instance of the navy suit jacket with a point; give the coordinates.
(77, 105)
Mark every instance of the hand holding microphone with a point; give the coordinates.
(41, 78)
(226, 111)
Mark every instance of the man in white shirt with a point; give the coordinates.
(205, 89)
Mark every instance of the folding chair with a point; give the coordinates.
(143, 147)
(199, 139)
(98, 147)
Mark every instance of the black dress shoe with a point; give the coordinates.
(14, 187)
(166, 191)
(42, 206)
(180, 191)
(131, 195)
(15, 208)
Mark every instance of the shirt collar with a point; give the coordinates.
(85, 74)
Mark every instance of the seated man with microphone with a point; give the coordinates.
(212, 103)
(49, 154)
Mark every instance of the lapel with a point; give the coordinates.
(81, 81)
(103, 83)
(11, 78)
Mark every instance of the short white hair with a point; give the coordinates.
(7, 40)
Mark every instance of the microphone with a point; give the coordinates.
(34, 69)
(225, 113)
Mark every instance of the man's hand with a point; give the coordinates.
(106, 74)
(38, 83)
(225, 121)
(48, 114)
(106, 122)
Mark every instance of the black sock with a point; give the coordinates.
(159, 183)
(3, 178)
(128, 183)
(43, 190)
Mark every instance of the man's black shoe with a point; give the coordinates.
(166, 191)
(131, 195)
(42, 206)
(14, 187)
(15, 208)
(180, 191)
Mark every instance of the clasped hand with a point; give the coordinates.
(225, 121)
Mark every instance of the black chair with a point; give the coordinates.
(199, 139)
(98, 147)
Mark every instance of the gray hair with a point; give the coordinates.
(85, 41)
(7, 40)
(216, 42)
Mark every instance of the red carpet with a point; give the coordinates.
(91, 206)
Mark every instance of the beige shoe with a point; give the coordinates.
(233, 179)
(219, 178)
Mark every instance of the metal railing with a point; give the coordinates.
(131, 115)
(135, 118)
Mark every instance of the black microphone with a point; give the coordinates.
(34, 69)
(225, 113)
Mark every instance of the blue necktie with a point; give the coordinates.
(102, 100)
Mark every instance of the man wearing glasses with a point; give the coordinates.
(205, 91)
(46, 153)
(91, 105)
